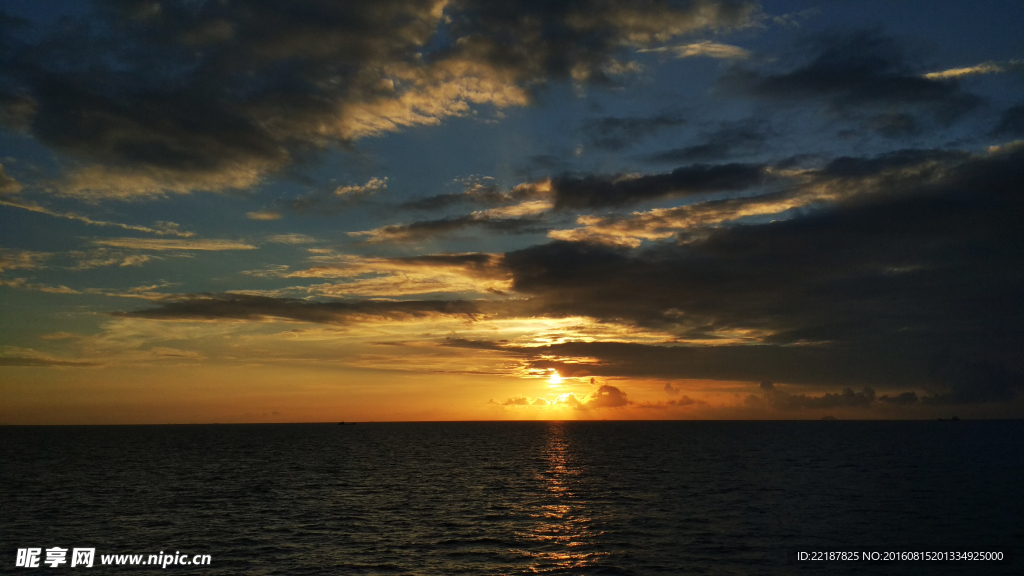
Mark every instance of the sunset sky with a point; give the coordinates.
(256, 211)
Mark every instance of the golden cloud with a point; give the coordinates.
(811, 188)
(372, 186)
(706, 48)
(263, 215)
(159, 244)
(451, 273)
(977, 69)
(21, 259)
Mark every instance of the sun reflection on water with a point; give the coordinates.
(563, 526)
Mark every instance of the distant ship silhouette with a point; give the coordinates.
(346, 423)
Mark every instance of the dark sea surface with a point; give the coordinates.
(519, 497)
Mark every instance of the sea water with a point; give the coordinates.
(518, 497)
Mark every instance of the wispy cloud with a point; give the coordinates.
(508, 220)
(729, 139)
(145, 292)
(21, 259)
(366, 276)
(263, 215)
(706, 48)
(482, 190)
(244, 307)
(617, 190)
(101, 257)
(977, 69)
(157, 244)
(439, 273)
(25, 284)
(161, 228)
(291, 239)
(372, 186)
(17, 356)
(529, 208)
(8, 185)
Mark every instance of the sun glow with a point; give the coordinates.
(555, 378)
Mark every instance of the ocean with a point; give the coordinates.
(519, 497)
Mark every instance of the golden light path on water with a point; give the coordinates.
(564, 524)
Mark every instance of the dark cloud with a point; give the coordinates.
(803, 365)
(874, 289)
(612, 191)
(425, 229)
(1012, 121)
(729, 140)
(489, 196)
(175, 91)
(177, 96)
(517, 401)
(474, 344)
(246, 307)
(473, 261)
(659, 405)
(611, 133)
(901, 399)
(859, 72)
(842, 181)
(968, 381)
(683, 401)
(923, 164)
(846, 399)
(607, 396)
(895, 125)
(578, 39)
(480, 191)
(913, 283)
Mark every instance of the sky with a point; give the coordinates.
(221, 211)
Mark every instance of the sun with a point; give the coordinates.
(555, 378)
